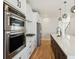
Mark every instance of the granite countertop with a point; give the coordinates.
(67, 45)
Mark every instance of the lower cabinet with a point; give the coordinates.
(59, 54)
(17, 57)
(24, 54)
(21, 55)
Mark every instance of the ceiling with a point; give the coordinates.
(49, 8)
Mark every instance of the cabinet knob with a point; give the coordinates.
(18, 3)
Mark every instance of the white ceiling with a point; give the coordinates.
(49, 8)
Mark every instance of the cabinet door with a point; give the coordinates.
(59, 54)
(20, 5)
(25, 54)
(35, 43)
(29, 51)
(63, 56)
(21, 55)
(29, 13)
(33, 46)
(13, 3)
(18, 56)
(23, 6)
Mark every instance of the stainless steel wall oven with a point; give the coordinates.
(14, 31)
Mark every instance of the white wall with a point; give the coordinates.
(48, 26)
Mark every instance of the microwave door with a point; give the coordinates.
(11, 22)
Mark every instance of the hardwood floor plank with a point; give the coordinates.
(44, 51)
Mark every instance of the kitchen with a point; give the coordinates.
(30, 24)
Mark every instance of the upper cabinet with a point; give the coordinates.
(17, 4)
(23, 6)
(29, 13)
(36, 16)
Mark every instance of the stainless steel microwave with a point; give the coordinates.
(14, 20)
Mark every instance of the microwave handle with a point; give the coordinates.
(8, 17)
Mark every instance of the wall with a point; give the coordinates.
(48, 26)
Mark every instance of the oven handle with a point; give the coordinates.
(8, 14)
(16, 16)
(15, 35)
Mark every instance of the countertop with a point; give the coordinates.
(67, 45)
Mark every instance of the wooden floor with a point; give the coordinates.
(44, 51)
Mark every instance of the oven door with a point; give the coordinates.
(13, 22)
(14, 43)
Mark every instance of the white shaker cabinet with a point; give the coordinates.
(20, 5)
(25, 54)
(23, 6)
(29, 13)
(21, 55)
(33, 45)
(11, 2)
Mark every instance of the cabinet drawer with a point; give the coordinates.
(18, 57)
